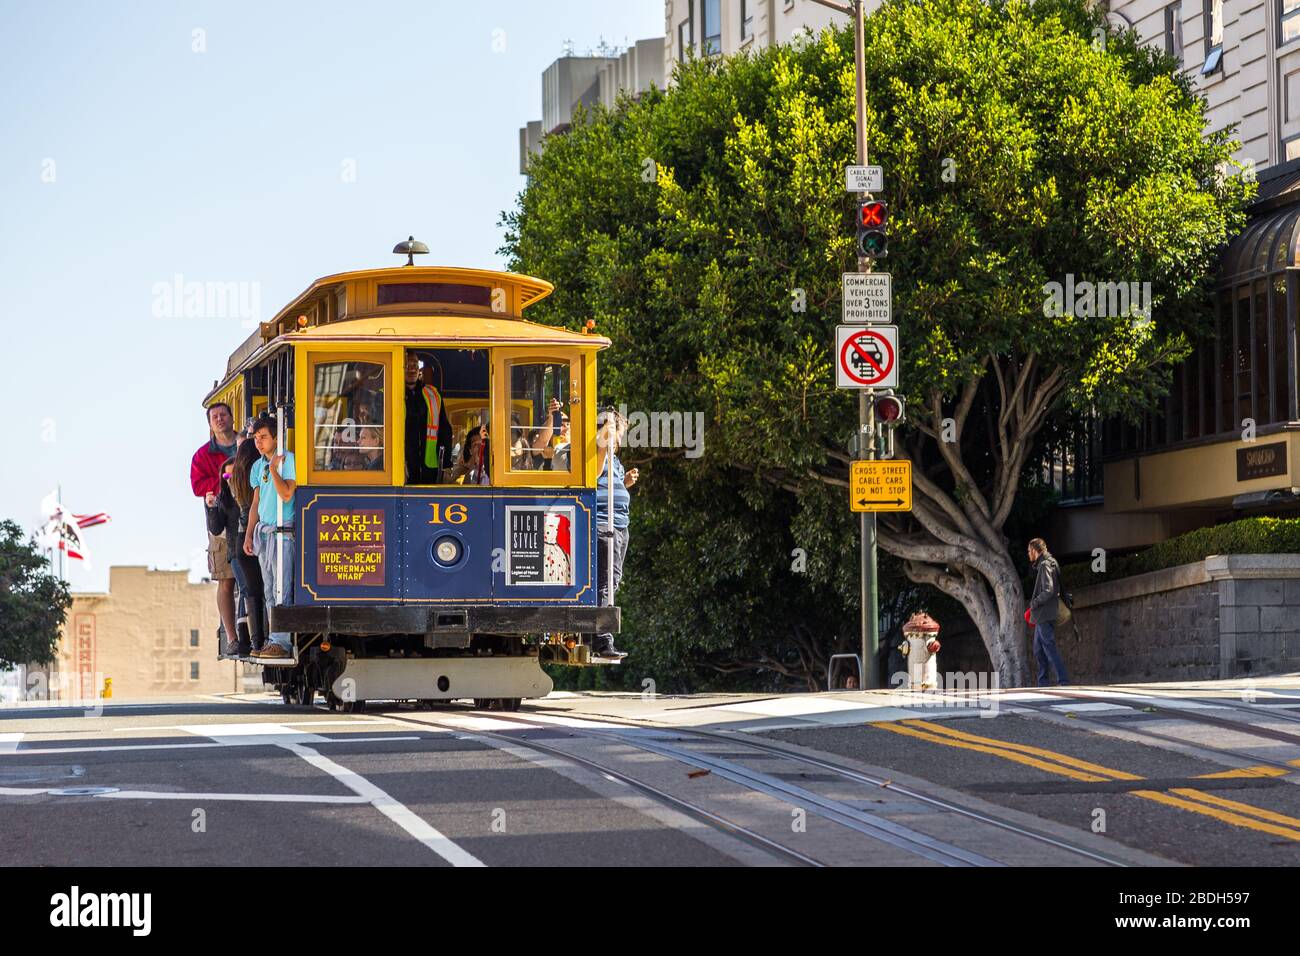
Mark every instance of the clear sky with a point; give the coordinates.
(128, 158)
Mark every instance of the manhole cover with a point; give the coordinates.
(83, 791)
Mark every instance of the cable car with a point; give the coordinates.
(430, 562)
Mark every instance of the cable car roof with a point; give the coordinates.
(477, 307)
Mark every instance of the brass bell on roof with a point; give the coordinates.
(410, 248)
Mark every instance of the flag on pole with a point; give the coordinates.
(50, 505)
(62, 529)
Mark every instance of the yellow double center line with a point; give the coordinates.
(1195, 801)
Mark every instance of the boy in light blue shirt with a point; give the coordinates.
(273, 479)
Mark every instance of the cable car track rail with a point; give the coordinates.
(1266, 710)
(697, 813)
(1194, 715)
(829, 766)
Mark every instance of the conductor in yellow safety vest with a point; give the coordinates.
(428, 432)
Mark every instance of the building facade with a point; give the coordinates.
(1225, 441)
(711, 27)
(574, 82)
(152, 634)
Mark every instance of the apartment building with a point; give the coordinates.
(711, 27)
(152, 634)
(572, 82)
(1226, 441)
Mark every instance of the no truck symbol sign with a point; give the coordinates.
(868, 358)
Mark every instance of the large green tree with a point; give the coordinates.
(33, 602)
(706, 229)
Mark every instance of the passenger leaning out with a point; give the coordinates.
(273, 479)
(247, 570)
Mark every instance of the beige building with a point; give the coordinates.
(153, 633)
(574, 82)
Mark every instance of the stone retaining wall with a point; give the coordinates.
(1226, 616)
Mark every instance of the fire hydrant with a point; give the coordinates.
(921, 648)
(108, 688)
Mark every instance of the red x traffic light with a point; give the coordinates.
(873, 240)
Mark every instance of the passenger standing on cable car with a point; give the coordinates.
(273, 480)
(247, 569)
(205, 480)
(612, 541)
(427, 449)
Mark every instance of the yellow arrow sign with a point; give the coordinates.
(880, 486)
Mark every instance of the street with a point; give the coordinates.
(1155, 775)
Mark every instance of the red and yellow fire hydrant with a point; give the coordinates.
(921, 648)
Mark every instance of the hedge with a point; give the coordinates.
(1247, 536)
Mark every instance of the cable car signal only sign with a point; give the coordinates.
(880, 485)
(867, 357)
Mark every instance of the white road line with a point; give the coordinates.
(1099, 705)
(617, 791)
(118, 749)
(186, 795)
(389, 807)
(191, 728)
(250, 742)
(244, 797)
(239, 733)
(9, 742)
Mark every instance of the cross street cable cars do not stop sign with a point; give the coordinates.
(880, 485)
(866, 357)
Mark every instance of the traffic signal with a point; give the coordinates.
(890, 410)
(873, 240)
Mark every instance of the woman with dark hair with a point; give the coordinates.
(474, 467)
(241, 488)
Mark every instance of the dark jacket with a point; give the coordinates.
(225, 518)
(1047, 590)
(417, 415)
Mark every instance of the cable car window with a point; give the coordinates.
(539, 417)
(348, 413)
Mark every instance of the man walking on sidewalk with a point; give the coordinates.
(1043, 605)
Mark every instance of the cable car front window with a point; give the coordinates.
(348, 415)
(539, 416)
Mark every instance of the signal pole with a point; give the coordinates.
(866, 405)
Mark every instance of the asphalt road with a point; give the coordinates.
(232, 785)
(623, 780)
(1199, 794)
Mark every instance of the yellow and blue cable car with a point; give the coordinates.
(430, 562)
